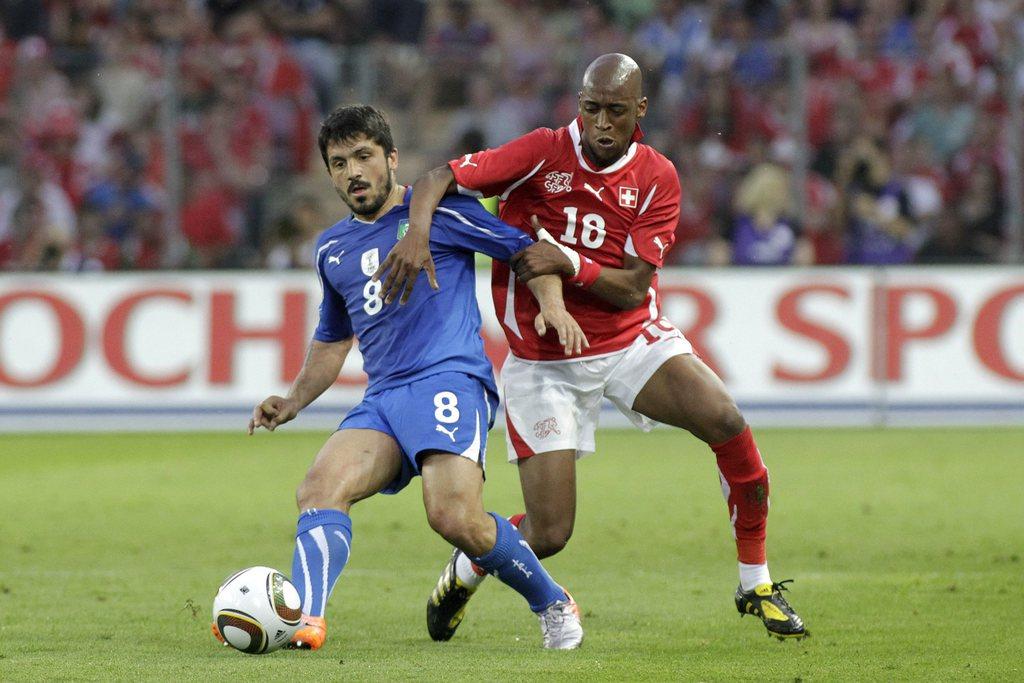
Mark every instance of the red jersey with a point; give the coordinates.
(630, 207)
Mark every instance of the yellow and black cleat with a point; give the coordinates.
(447, 603)
(767, 603)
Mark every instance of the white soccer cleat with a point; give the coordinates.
(560, 626)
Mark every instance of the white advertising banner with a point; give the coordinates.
(818, 346)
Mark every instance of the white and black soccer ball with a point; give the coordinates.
(257, 610)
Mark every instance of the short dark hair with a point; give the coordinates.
(345, 123)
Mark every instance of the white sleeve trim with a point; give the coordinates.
(507, 192)
(510, 306)
(647, 202)
(316, 263)
(468, 192)
(462, 219)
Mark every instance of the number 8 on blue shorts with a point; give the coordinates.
(449, 411)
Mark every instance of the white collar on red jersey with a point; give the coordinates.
(574, 133)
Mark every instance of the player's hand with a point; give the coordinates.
(542, 258)
(570, 335)
(403, 266)
(272, 412)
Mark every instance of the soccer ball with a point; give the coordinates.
(257, 610)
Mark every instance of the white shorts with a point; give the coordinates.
(556, 405)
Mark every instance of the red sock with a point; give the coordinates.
(744, 481)
(514, 520)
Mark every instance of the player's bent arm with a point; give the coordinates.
(547, 289)
(412, 253)
(324, 361)
(624, 287)
(427, 193)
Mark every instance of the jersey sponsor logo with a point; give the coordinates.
(403, 227)
(450, 433)
(628, 197)
(558, 181)
(597, 193)
(544, 428)
(369, 261)
(466, 161)
(335, 258)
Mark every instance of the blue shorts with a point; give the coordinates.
(449, 412)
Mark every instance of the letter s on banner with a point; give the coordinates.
(838, 349)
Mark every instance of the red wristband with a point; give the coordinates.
(589, 272)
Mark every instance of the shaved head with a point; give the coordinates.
(614, 72)
(611, 103)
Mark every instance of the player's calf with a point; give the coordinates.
(745, 486)
(548, 538)
(513, 562)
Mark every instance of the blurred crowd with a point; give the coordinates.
(181, 133)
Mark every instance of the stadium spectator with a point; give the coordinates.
(120, 209)
(455, 49)
(949, 244)
(946, 114)
(315, 29)
(293, 237)
(8, 150)
(878, 211)
(31, 243)
(281, 85)
(763, 231)
(932, 80)
(981, 215)
(40, 198)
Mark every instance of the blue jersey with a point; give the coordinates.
(435, 331)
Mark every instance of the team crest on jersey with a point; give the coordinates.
(628, 197)
(403, 227)
(558, 181)
(369, 261)
(544, 428)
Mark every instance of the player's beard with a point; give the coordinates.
(373, 204)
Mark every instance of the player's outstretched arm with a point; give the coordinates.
(412, 253)
(324, 361)
(547, 289)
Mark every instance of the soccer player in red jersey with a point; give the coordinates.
(609, 204)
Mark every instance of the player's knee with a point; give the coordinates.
(725, 422)
(448, 523)
(550, 539)
(470, 531)
(316, 492)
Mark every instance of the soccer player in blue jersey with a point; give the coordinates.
(431, 396)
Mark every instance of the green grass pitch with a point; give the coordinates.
(906, 548)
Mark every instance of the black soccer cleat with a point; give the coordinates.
(446, 605)
(766, 602)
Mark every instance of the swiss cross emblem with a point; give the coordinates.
(628, 197)
(558, 181)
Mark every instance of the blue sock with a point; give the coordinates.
(322, 542)
(513, 562)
